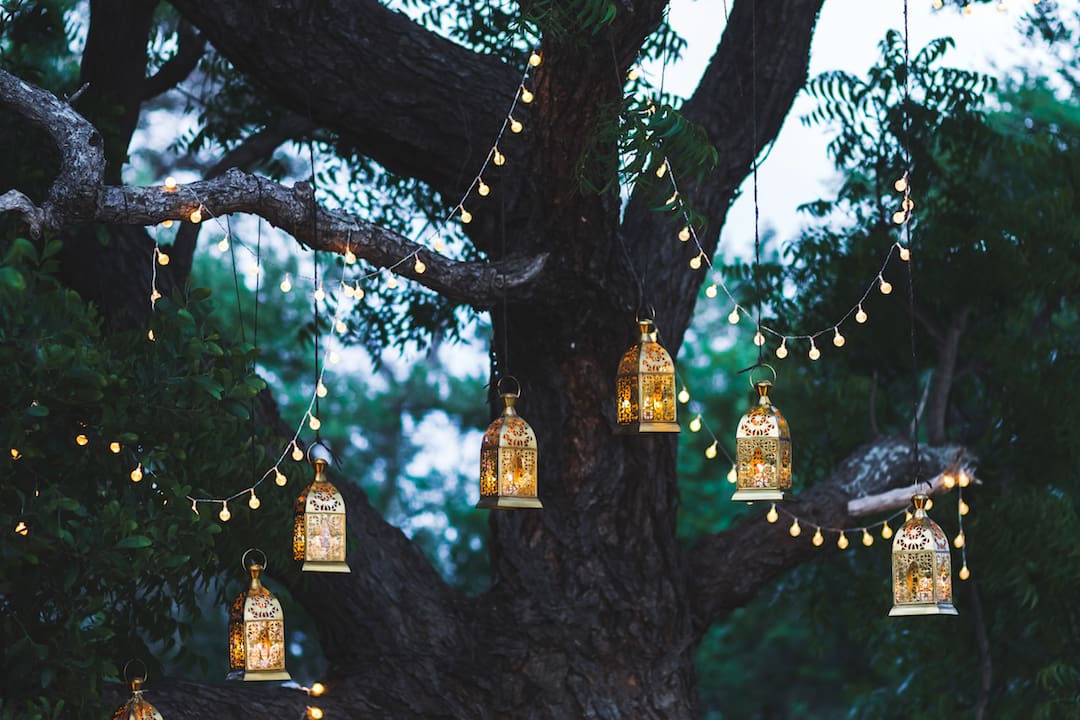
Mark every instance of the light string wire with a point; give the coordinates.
(494, 156)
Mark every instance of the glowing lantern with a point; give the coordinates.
(319, 526)
(763, 451)
(508, 461)
(921, 567)
(645, 387)
(256, 632)
(136, 708)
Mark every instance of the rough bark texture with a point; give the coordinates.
(595, 610)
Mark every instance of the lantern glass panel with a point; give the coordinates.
(763, 451)
(319, 528)
(645, 398)
(257, 634)
(508, 462)
(921, 567)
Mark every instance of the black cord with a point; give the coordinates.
(315, 260)
(754, 150)
(255, 340)
(236, 281)
(910, 262)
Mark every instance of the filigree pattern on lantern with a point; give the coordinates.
(645, 387)
(658, 398)
(236, 634)
(762, 451)
(508, 462)
(921, 567)
(325, 538)
(626, 392)
(265, 641)
(489, 472)
(137, 708)
(519, 472)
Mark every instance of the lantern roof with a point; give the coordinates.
(647, 356)
(764, 419)
(509, 429)
(920, 532)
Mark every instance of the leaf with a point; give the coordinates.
(133, 542)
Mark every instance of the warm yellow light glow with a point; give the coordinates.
(320, 294)
(320, 389)
(842, 541)
(317, 689)
(900, 184)
(515, 125)
(223, 244)
(350, 257)
(860, 315)
(684, 234)
(899, 216)
(170, 183)
(838, 339)
(224, 515)
(908, 204)
(929, 504)
(497, 157)
(710, 452)
(964, 572)
(286, 284)
(166, 223)
(136, 475)
(535, 59)
(150, 335)
(886, 531)
(907, 516)
(314, 423)
(759, 339)
(695, 262)
(814, 353)
(781, 352)
(340, 327)
(958, 542)
(162, 257)
(358, 292)
(155, 296)
(253, 501)
(196, 216)
(695, 424)
(279, 478)
(948, 480)
(297, 453)
(81, 440)
(391, 282)
(673, 198)
(633, 74)
(419, 267)
(710, 291)
(967, 9)
(794, 530)
(334, 358)
(884, 285)
(964, 508)
(818, 539)
(466, 216)
(114, 447)
(22, 529)
(438, 244)
(662, 170)
(733, 475)
(15, 454)
(772, 516)
(526, 96)
(963, 479)
(734, 316)
(867, 538)
(684, 395)
(483, 189)
(315, 713)
(347, 289)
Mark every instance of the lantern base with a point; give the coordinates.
(323, 566)
(498, 502)
(943, 608)
(756, 494)
(648, 427)
(252, 675)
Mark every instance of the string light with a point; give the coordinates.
(795, 530)
(515, 125)
(223, 244)
(253, 501)
(867, 538)
(886, 531)
(838, 339)
(860, 315)
(684, 395)
(814, 353)
(710, 291)
(341, 327)
(884, 285)
(781, 352)
(963, 508)
(483, 189)
(166, 223)
(314, 423)
(136, 475)
(350, 257)
(905, 253)
(170, 184)
(114, 447)
(710, 452)
(334, 358)
(948, 480)
(297, 453)
(964, 572)
(279, 478)
(535, 58)
(314, 713)
(684, 234)
(224, 515)
(526, 96)
(286, 284)
(162, 257)
(391, 282)
(419, 267)
(734, 316)
(466, 216)
(963, 479)
(81, 440)
(633, 74)
(317, 689)
(695, 262)
(759, 339)
(150, 335)
(772, 516)
(842, 541)
(15, 454)
(695, 424)
(958, 541)
(319, 294)
(662, 169)
(196, 216)
(818, 539)
(497, 157)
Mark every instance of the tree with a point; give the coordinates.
(595, 607)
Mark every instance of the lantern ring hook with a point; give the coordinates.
(504, 378)
(312, 446)
(243, 560)
(145, 673)
(761, 365)
(649, 313)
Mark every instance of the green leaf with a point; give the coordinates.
(132, 542)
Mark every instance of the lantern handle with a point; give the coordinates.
(752, 368)
(318, 443)
(650, 314)
(498, 385)
(127, 665)
(243, 560)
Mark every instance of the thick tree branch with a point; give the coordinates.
(944, 376)
(78, 196)
(190, 46)
(728, 569)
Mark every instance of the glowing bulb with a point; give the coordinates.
(535, 59)
(194, 506)
(497, 157)
(684, 234)
(710, 452)
(223, 244)
(166, 223)
(319, 294)
(907, 516)
(899, 216)
(838, 339)
(884, 285)
(908, 204)
(938, 4)
(929, 504)
(317, 689)
(320, 389)
(136, 474)
(81, 440)
(964, 508)
(358, 292)
(196, 216)
(297, 453)
(15, 454)
(963, 479)
(341, 327)
(818, 540)
(253, 501)
(150, 335)
(334, 358)
(162, 257)
(733, 316)
(22, 529)
(350, 257)
(710, 291)
(901, 184)
(759, 339)
(466, 216)
(860, 315)
(867, 538)
(286, 284)
(224, 515)
(315, 713)
(967, 9)
(772, 516)
(114, 447)
(419, 267)
(695, 262)
(958, 542)
(314, 423)
(662, 170)
(439, 245)
(515, 125)
(794, 530)
(673, 198)
(948, 481)
(526, 96)
(347, 290)
(155, 296)
(814, 353)
(684, 396)
(886, 531)
(633, 74)
(964, 572)
(905, 254)
(695, 424)
(781, 352)
(391, 282)
(170, 183)
(842, 541)
(279, 478)
(483, 189)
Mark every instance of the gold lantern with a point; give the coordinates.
(256, 632)
(763, 451)
(645, 387)
(319, 525)
(136, 708)
(508, 461)
(921, 567)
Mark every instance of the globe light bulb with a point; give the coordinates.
(320, 294)
(948, 480)
(535, 59)
(391, 282)
(438, 244)
(901, 184)
(732, 475)
(684, 395)
(633, 74)
(842, 541)
(662, 170)
(317, 689)
(963, 479)
(899, 216)
(860, 315)
(279, 478)
(334, 357)
(350, 257)
(838, 339)
(297, 453)
(419, 267)
(150, 335)
(710, 452)
(772, 516)
(497, 157)
(695, 424)
(733, 316)
(759, 339)
(886, 531)
(81, 440)
(253, 501)
(166, 223)
(867, 538)
(347, 290)
(286, 284)
(21, 528)
(695, 262)
(964, 508)
(155, 296)
(795, 530)
(818, 538)
(908, 204)
(341, 327)
(929, 504)
(136, 475)
(114, 447)
(15, 454)
(163, 258)
(483, 189)
(320, 389)
(814, 353)
(710, 292)
(315, 713)
(223, 244)
(466, 216)
(964, 572)
(224, 515)
(195, 217)
(684, 234)
(358, 292)
(884, 285)
(170, 183)
(958, 541)
(526, 96)
(515, 125)
(314, 423)
(905, 254)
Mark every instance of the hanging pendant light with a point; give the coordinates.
(319, 524)
(256, 631)
(136, 708)
(508, 473)
(645, 387)
(763, 450)
(921, 566)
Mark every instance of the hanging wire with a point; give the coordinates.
(911, 262)
(757, 210)
(318, 286)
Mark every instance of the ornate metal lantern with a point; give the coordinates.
(319, 525)
(645, 387)
(256, 631)
(921, 567)
(763, 451)
(136, 708)
(508, 468)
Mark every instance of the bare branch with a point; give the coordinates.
(15, 201)
(190, 46)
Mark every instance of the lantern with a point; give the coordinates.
(645, 387)
(508, 461)
(256, 632)
(319, 525)
(136, 708)
(921, 567)
(763, 451)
